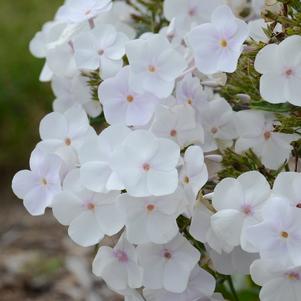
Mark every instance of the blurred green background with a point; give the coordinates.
(23, 99)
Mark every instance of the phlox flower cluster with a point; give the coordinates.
(149, 177)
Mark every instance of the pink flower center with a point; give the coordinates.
(293, 276)
(100, 52)
(173, 133)
(298, 205)
(88, 12)
(150, 207)
(90, 206)
(289, 72)
(267, 135)
(170, 36)
(121, 256)
(167, 254)
(68, 141)
(192, 11)
(146, 167)
(214, 130)
(247, 210)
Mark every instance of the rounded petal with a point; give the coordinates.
(37, 200)
(294, 91)
(85, 52)
(261, 271)
(94, 175)
(158, 86)
(60, 60)
(289, 51)
(78, 122)
(109, 68)
(255, 186)
(278, 289)
(200, 223)
(194, 159)
(176, 277)
(266, 59)
(288, 185)
(172, 7)
(84, 230)
(142, 144)
(109, 218)
(66, 207)
(162, 228)
(228, 224)
(167, 156)
(162, 182)
(54, 126)
(23, 182)
(272, 88)
(228, 194)
(172, 64)
(224, 20)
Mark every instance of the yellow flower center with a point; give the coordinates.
(151, 68)
(186, 180)
(130, 98)
(223, 43)
(284, 234)
(44, 182)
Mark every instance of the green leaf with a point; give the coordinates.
(276, 108)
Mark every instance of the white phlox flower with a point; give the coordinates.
(256, 132)
(179, 124)
(278, 282)
(190, 91)
(168, 266)
(154, 65)
(280, 66)
(146, 165)
(118, 266)
(218, 120)
(200, 286)
(101, 47)
(238, 203)
(95, 159)
(193, 12)
(77, 11)
(38, 186)
(71, 91)
(64, 133)
(278, 236)
(151, 219)
(121, 104)
(89, 215)
(217, 46)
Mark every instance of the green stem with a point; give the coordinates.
(232, 288)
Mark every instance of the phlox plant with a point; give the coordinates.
(195, 170)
